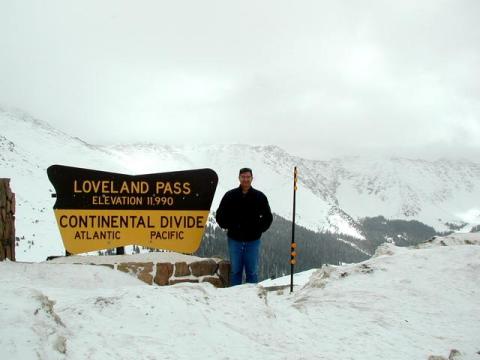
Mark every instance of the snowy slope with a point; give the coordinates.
(404, 303)
(332, 194)
(272, 174)
(27, 148)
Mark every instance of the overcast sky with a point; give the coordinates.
(318, 78)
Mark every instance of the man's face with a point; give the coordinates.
(245, 180)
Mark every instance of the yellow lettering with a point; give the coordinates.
(86, 187)
(113, 190)
(124, 188)
(135, 187)
(168, 188)
(105, 188)
(159, 186)
(75, 187)
(95, 186)
(177, 188)
(144, 187)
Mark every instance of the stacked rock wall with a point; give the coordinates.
(163, 273)
(7, 221)
(160, 268)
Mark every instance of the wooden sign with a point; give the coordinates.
(100, 210)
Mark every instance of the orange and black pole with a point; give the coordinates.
(293, 246)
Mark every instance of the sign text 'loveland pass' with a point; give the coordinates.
(99, 210)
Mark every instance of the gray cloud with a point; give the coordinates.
(315, 77)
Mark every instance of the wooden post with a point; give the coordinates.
(293, 245)
(7, 221)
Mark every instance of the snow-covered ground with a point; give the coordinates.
(401, 304)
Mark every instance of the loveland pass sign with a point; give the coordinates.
(100, 210)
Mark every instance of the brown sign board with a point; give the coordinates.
(100, 210)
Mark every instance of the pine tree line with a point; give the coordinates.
(314, 249)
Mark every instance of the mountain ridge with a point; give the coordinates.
(334, 195)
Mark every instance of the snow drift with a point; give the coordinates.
(404, 303)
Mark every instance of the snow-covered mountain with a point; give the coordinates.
(404, 303)
(333, 194)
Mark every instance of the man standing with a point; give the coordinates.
(245, 213)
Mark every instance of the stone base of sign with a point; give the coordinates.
(143, 271)
(156, 269)
(208, 270)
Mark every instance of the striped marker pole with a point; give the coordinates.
(293, 246)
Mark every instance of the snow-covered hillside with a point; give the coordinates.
(332, 194)
(27, 147)
(404, 303)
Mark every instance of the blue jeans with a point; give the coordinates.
(243, 254)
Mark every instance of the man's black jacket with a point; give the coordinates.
(246, 216)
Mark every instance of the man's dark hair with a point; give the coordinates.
(245, 170)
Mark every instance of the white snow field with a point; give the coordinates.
(404, 303)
